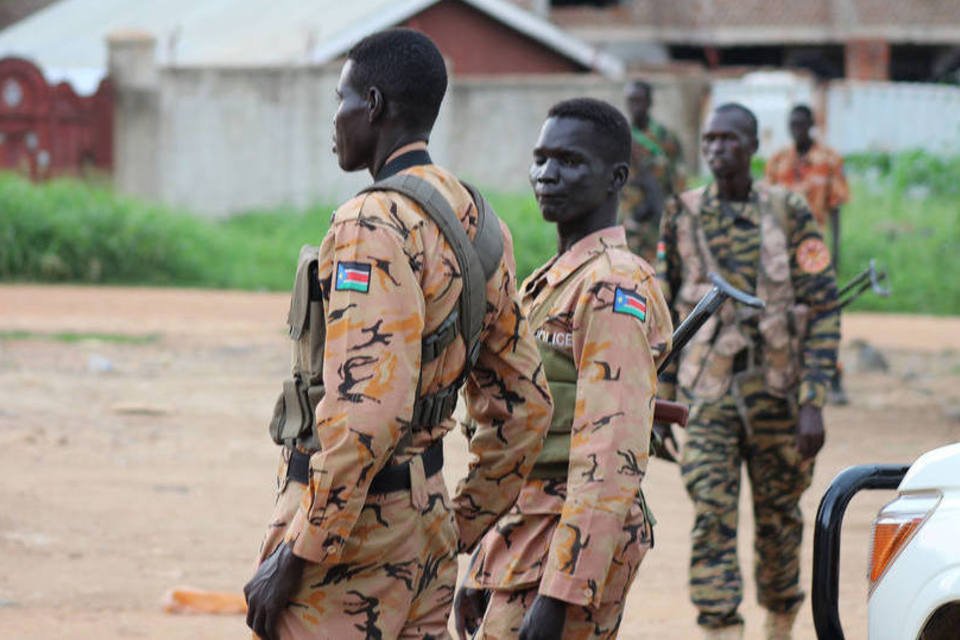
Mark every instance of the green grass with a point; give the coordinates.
(73, 337)
(915, 239)
(65, 231)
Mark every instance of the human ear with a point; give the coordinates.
(375, 104)
(621, 171)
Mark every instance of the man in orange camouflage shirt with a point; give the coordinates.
(815, 171)
(364, 538)
(560, 563)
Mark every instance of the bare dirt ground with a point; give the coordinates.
(128, 468)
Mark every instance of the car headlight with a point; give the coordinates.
(895, 526)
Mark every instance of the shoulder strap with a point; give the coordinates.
(778, 202)
(488, 240)
(647, 142)
(691, 200)
(477, 259)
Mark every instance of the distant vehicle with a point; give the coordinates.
(914, 569)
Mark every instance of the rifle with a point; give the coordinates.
(869, 278)
(668, 412)
(835, 236)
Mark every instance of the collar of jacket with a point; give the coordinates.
(412, 158)
(749, 210)
(810, 156)
(583, 250)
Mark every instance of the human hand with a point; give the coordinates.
(469, 606)
(663, 444)
(270, 589)
(544, 620)
(810, 434)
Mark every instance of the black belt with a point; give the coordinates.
(396, 477)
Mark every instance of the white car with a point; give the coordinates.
(915, 558)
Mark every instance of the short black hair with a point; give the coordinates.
(736, 106)
(609, 122)
(408, 69)
(641, 84)
(804, 109)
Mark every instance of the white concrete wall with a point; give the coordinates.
(495, 122)
(235, 140)
(770, 95)
(852, 116)
(232, 140)
(893, 116)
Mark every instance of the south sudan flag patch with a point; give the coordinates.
(630, 303)
(353, 276)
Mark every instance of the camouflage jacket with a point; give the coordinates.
(607, 312)
(388, 276)
(655, 156)
(732, 232)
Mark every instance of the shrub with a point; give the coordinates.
(67, 231)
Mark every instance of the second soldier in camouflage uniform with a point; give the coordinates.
(656, 173)
(560, 563)
(756, 381)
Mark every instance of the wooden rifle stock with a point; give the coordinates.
(668, 412)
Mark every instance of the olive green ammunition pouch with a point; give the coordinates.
(294, 418)
(294, 413)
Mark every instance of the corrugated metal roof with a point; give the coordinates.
(71, 33)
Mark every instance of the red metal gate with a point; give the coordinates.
(48, 130)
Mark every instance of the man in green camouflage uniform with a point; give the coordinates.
(756, 381)
(656, 173)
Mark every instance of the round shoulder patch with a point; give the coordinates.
(813, 255)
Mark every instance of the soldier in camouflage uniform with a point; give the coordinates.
(561, 562)
(656, 173)
(756, 381)
(814, 170)
(364, 537)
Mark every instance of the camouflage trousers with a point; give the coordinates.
(506, 608)
(718, 442)
(396, 576)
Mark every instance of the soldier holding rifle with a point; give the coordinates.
(756, 380)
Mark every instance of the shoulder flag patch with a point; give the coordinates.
(813, 256)
(630, 303)
(353, 276)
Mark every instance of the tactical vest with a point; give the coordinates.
(294, 417)
(561, 373)
(706, 368)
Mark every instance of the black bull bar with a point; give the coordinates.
(826, 539)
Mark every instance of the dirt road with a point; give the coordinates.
(139, 460)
